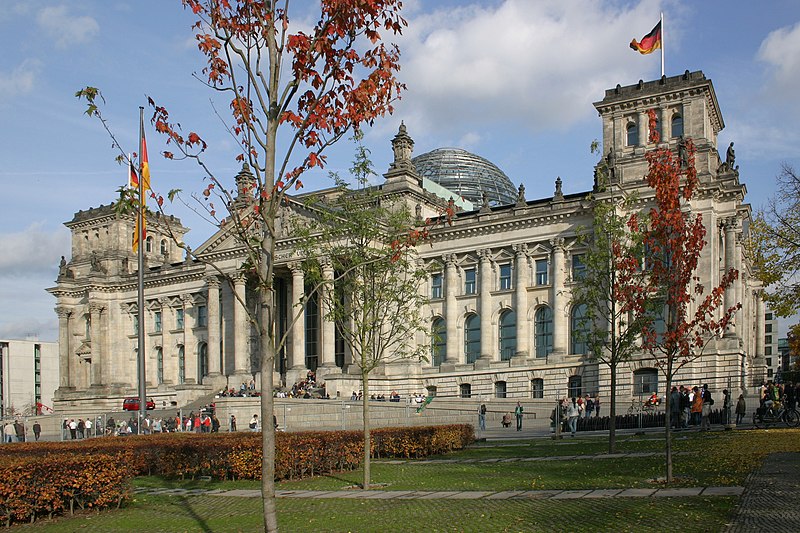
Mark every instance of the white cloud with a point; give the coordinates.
(33, 251)
(781, 51)
(20, 80)
(536, 66)
(67, 29)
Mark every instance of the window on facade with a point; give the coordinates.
(677, 125)
(768, 316)
(472, 338)
(537, 388)
(436, 285)
(500, 389)
(508, 335)
(202, 316)
(431, 391)
(438, 341)
(312, 332)
(632, 131)
(469, 281)
(770, 372)
(645, 381)
(148, 244)
(163, 246)
(541, 272)
(578, 267)
(202, 366)
(543, 334)
(160, 365)
(579, 329)
(767, 350)
(157, 321)
(179, 319)
(769, 361)
(135, 324)
(339, 347)
(575, 387)
(182, 362)
(505, 277)
(465, 390)
(768, 339)
(88, 332)
(768, 328)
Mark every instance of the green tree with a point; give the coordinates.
(315, 84)
(361, 251)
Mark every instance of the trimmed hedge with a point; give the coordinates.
(46, 478)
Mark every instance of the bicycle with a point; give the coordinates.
(770, 416)
(637, 407)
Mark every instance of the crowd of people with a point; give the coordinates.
(15, 431)
(245, 390)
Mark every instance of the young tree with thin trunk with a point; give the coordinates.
(314, 85)
(681, 315)
(361, 252)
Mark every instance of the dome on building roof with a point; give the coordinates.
(467, 175)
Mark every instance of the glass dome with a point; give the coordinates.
(467, 175)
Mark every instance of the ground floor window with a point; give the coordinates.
(465, 390)
(537, 388)
(500, 389)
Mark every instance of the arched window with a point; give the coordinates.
(632, 131)
(438, 341)
(537, 388)
(579, 326)
(543, 324)
(431, 390)
(574, 387)
(508, 334)
(160, 365)
(472, 338)
(163, 246)
(202, 363)
(645, 381)
(500, 389)
(148, 244)
(465, 390)
(182, 363)
(677, 125)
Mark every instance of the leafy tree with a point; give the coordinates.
(681, 315)
(316, 84)
(365, 241)
(774, 245)
(612, 271)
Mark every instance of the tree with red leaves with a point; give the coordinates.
(316, 85)
(683, 317)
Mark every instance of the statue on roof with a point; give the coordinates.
(730, 157)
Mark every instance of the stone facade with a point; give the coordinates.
(500, 284)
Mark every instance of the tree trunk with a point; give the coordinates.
(267, 349)
(612, 424)
(668, 429)
(367, 437)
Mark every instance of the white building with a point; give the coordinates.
(28, 376)
(499, 289)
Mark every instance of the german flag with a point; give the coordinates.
(133, 177)
(145, 176)
(650, 42)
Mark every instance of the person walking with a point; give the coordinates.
(9, 432)
(232, 424)
(37, 430)
(708, 401)
(518, 414)
(482, 417)
(675, 408)
(741, 408)
(573, 412)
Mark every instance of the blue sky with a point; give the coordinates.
(511, 80)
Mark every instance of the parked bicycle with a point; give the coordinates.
(769, 416)
(639, 407)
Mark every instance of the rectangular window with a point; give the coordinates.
(135, 324)
(769, 361)
(469, 281)
(436, 285)
(505, 277)
(767, 350)
(541, 272)
(202, 316)
(578, 267)
(768, 316)
(768, 328)
(768, 339)
(179, 319)
(157, 321)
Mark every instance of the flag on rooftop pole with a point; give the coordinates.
(143, 186)
(141, 232)
(652, 41)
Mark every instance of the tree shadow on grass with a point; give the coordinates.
(185, 503)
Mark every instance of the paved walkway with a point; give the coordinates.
(771, 500)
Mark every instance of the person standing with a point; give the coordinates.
(232, 425)
(87, 426)
(573, 412)
(675, 408)
(705, 411)
(254, 423)
(518, 414)
(726, 406)
(697, 405)
(37, 430)
(20, 429)
(9, 432)
(597, 405)
(741, 408)
(482, 417)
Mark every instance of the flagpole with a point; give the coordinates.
(140, 355)
(662, 44)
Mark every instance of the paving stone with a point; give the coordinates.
(636, 493)
(603, 493)
(304, 494)
(469, 495)
(723, 491)
(244, 493)
(771, 497)
(392, 494)
(505, 495)
(414, 495)
(336, 494)
(679, 492)
(570, 494)
(440, 494)
(539, 494)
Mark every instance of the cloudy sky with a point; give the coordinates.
(511, 80)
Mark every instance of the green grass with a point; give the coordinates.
(220, 514)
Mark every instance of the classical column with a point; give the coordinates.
(644, 129)
(452, 353)
(241, 326)
(328, 326)
(95, 312)
(729, 226)
(521, 299)
(212, 306)
(666, 125)
(558, 299)
(485, 306)
(64, 347)
(166, 341)
(296, 356)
